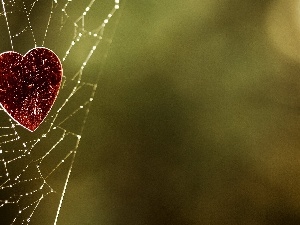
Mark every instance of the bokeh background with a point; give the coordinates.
(196, 119)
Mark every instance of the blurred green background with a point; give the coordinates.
(196, 118)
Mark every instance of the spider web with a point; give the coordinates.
(35, 167)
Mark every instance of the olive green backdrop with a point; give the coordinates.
(196, 118)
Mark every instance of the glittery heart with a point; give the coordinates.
(29, 85)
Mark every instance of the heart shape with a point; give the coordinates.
(29, 85)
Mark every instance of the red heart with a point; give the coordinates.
(29, 85)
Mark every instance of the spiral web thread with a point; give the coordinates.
(35, 167)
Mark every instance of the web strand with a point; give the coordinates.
(36, 167)
(5, 15)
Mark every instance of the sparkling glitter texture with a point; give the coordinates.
(29, 85)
